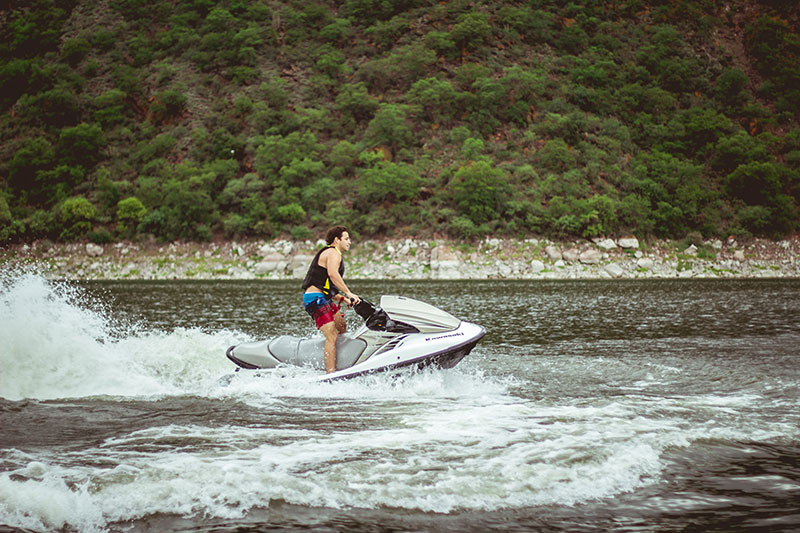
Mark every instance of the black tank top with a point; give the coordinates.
(318, 276)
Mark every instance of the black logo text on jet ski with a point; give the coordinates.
(459, 334)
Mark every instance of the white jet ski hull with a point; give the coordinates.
(426, 336)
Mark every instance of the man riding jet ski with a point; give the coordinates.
(402, 332)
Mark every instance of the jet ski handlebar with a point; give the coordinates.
(378, 320)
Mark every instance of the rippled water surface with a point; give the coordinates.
(626, 406)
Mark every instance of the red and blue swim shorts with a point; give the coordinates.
(320, 307)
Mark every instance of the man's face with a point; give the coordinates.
(344, 241)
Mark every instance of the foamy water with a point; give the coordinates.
(117, 421)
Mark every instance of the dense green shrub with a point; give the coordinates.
(317, 194)
(479, 191)
(237, 189)
(389, 128)
(35, 155)
(472, 149)
(368, 11)
(533, 26)
(702, 127)
(167, 105)
(33, 28)
(277, 151)
(471, 30)
(755, 183)
(74, 50)
(437, 98)
(110, 107)
(556, 155)
(572, 39)
(355, 102)
(291, 213)
(301, 172)
(398, 70)
(56, 107)
(387, 182)
(81, 145)
(154, 148)
(337, 31)
(386, 33)
(737, 149)
(732, 87)
(131, 210)
(442, 43)
(130, 213)
(77, 214)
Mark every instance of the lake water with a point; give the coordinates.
(624, 406)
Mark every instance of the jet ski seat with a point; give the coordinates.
(309, 352)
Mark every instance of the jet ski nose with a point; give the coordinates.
(237, 361)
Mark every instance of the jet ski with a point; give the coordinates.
(400, 333)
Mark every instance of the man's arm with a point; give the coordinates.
(332, 262)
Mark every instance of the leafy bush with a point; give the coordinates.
(167, 105)
(389, 128)
(301, 233)
(464, 228)
(354, 100)
(275, 92)
(237, 189)
(755, 183)
(131, 210)
(737, 149)
(702, 127)
(479, 191)
(77, 213)
(42, 223)
(368, 11)
(533, 26)
(386, 33)
(556, 155)
(186, 211)
(301, 172)
(398, 70)
(441, 42)
(159, 146)
(110, 108)
(775, 47)
(100, 236)
(276, 151)
(35, 155)
(437, 98)
(388, 182)
(472, 149)
(317, 194)
(292, 213)
(81, 145)
(74, 50)
(235, 225)
(57, 107)
(471, 30)
(732, 87)
(573, 39)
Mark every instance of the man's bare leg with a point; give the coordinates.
(331, 331)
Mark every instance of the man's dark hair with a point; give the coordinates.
(334, 233)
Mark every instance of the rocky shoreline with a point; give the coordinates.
(413, 259)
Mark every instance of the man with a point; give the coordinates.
(324, 286)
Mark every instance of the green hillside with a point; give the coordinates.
(200, 119)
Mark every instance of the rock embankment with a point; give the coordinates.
(416, 259)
